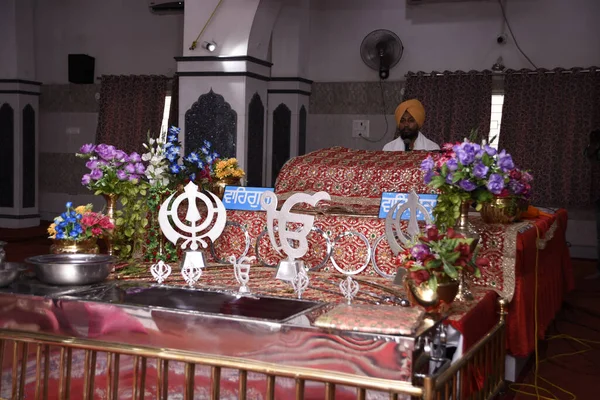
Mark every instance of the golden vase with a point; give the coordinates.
(426, 297)
(218, 185)
(68, 246)
(111, 205)
(505, 210)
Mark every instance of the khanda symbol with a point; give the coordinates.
(284, 216)
(192, 231)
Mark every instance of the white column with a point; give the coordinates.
(19, 96)
(237, 68)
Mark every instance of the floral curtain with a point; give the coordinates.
(174, 111)
(130, 108)
(455, 103)
(546, 121)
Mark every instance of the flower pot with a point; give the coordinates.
(426, 297)
(218, 185)
(67, 246)
(505, 210)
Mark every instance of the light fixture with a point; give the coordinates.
(210, 46)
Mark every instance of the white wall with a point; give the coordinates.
(123, 36)
(452, 35)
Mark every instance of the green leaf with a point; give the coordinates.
(417, 268)
(433, 283)
(124, 201)
(433, 264)
(144, 222)
(119, 221)
(452, 257)
(450, 270)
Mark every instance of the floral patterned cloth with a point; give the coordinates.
(497, 244)
(352, 176)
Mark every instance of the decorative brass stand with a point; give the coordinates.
(111, 205)
(462, 227)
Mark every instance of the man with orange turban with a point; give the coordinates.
(410, 116)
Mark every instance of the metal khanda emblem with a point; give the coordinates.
(241, 271)
(284, 216)
(196, 230)
(393, 227)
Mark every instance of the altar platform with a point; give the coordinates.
(55, 339)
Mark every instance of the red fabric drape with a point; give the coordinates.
(455, 103)
(131, 107)
(546, 120)
(555, 280)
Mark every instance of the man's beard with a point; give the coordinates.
(408, 134)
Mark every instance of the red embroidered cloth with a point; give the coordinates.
(352, 176)
(510, 249)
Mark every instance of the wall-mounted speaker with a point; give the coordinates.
(81, 68)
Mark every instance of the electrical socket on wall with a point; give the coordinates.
(360, 128)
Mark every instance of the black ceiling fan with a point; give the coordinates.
(381, 50)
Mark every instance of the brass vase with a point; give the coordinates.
(464, 228)
(218, 185)
(426, 297)
(111, 205)
(505, 210)
(67, 246)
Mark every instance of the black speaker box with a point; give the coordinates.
(81, 68)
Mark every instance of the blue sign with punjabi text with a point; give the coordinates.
(243, 198)
(389, 199)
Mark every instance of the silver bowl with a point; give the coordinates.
(10, 271)
(72, 269)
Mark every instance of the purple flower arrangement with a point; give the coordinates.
(109, 168)
(469, 171)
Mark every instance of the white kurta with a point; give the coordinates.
(421, 143)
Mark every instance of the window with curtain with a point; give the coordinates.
(455, 103)
(546, 121)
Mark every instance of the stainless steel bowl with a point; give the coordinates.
(72, 269)
(9, 272)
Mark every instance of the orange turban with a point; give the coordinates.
(414, 108)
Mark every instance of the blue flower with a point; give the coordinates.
(505, 161)
(192, 177)
(192, 157)
(467, 185)
(452, 164)
(490, 150)
(172, 157)
(480, 170)
(495, 184)
(427, 164)
(175, 168)
(465, 152)
(428, 176)
(69, 204)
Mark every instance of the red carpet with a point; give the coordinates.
(579, 318)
